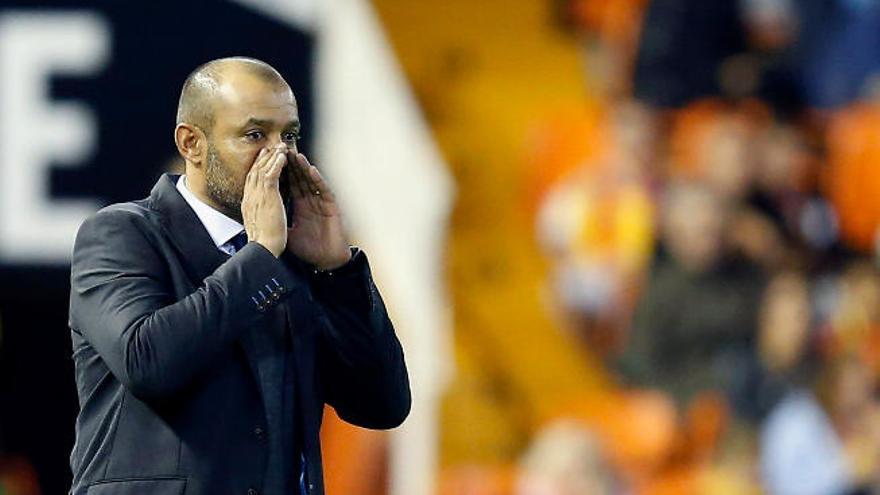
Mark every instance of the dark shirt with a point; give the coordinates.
(693, 332)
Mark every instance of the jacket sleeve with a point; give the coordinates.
(122, 302)
(360, 358)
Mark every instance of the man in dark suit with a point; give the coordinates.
(208, 329)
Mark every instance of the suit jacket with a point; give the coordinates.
(162, 324)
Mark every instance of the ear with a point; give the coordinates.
(191, 143)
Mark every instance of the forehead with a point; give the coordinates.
(241, 97)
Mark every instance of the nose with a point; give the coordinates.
(280, 146)
(287, 147)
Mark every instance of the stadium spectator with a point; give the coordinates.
(694, 326)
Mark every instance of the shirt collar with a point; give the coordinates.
(220, 227)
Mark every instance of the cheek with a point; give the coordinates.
(237, 153)
(240, 161)
(249, 157)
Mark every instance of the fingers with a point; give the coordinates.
(267, 167)
(315, 184)
(255, 168)
(299, 182)
(305, 173)
(255, 173)
(262, 206)
(317, 180)
(274, 167)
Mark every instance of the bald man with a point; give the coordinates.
(213, 320)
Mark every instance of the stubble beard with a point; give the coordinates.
(223, 188)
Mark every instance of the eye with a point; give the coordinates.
(254, 135)
(291, 136)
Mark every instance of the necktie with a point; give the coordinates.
(238, 242)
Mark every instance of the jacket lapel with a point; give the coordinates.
(199, 254)
(185, 230)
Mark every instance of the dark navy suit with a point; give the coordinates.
(169, 335)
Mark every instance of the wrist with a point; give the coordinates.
(335, 262)
(272, 247)
(355, 259)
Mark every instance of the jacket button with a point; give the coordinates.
(252, 491)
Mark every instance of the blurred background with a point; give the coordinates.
(630, 246)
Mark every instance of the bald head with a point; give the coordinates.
(202, 87)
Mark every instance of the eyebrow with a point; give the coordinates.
(293, 124)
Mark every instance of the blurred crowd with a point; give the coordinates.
(712, 228)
